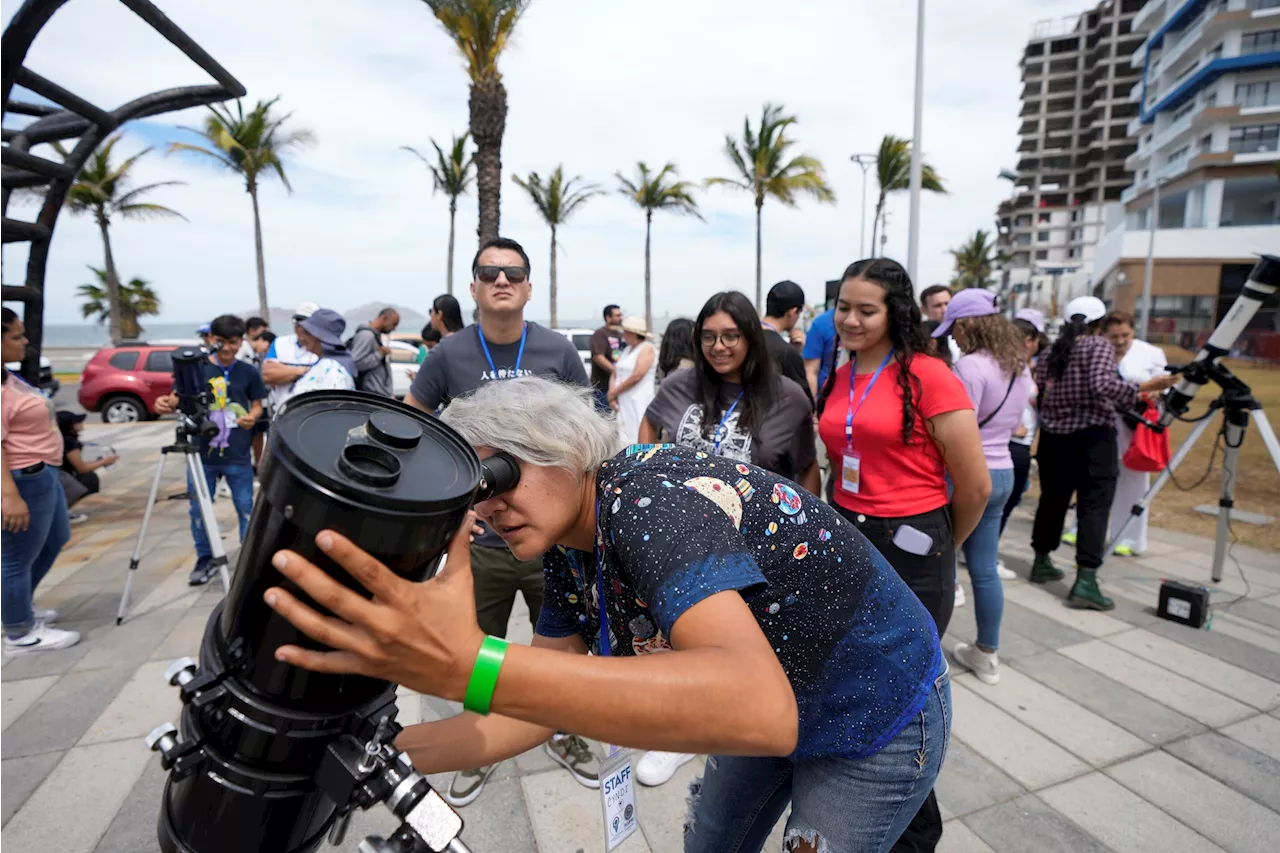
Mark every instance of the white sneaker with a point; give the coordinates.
(1005, 573)
(656, 768)
(41, 638)
(959, 596)
(77, 518)
(47, 615)
(985, 665)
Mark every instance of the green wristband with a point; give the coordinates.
(484, 675)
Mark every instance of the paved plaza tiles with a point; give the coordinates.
(1108, 732)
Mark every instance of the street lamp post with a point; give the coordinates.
(1144, 323)
(917, 155)
(865, 161)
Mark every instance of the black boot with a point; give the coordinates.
(1043, 570)
(1085, 593)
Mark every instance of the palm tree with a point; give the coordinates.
(452, 175)
(556, 201)
(661, 191)
(975, 259)
(893, 173)
(764, 171)
(481, 30)
(251, 145)
(136, 299)
(102, 190)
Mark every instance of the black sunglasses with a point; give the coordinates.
(515, 275)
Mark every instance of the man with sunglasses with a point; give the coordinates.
(237, 395)
(501, 345)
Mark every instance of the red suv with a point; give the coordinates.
(123, 382)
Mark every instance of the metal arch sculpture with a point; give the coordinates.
(80, 119)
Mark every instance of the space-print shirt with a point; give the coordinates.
(780, 440)
(676, 526)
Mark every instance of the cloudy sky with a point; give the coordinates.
(596, 86)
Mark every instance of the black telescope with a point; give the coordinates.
(271, 757)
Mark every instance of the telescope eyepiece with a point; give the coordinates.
(498, 474)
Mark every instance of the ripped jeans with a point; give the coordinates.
(839, 805)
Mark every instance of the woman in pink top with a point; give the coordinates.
(994, 372)
(34, 505)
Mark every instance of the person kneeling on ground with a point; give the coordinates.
(78, 475)
(824, 671)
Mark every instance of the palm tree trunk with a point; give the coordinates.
(875, 225)
(264, 310)
(453, 209)
(113, 283)
(488, 122)
(554, 292)
(759, 286)
(648, 294)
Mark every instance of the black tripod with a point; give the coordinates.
(1238, 405)
(183, 443)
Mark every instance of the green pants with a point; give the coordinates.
(498, 577)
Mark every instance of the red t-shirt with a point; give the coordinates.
(895, 479)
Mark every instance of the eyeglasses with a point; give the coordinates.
(729, 339)
(515, 275)
(219, 343)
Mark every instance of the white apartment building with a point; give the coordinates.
(1208, 132)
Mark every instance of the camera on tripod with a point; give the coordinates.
(194, 394)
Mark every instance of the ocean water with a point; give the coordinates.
(93, 335)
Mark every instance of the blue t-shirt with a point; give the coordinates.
(234, 389)
(678, 526)
(820, 342)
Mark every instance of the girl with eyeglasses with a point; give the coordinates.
(733, 402)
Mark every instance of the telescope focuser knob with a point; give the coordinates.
(180, 672)
(163, 738)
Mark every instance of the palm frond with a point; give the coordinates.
(662, 190)
(481, 30)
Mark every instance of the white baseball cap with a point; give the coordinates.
(1091, 307)
(305, 310)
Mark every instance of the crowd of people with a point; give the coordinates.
(855, 465)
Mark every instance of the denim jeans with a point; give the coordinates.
(981, 553)
(27, 556)
(239, 477)
(843, 804)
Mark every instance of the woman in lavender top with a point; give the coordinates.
(993, 370)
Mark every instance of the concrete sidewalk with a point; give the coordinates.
(1108, 732)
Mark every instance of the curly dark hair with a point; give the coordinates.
(760, 383)
(905, 331)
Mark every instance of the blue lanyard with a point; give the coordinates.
(725, 419)
(603, 608)
(484, 345)
(853, 410)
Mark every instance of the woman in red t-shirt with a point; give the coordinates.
(912, 423)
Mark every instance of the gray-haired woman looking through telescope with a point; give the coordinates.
(824, 671)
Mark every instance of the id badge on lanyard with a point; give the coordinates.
(851, 459)
(850, 470)
(617, 785)
(618, 798)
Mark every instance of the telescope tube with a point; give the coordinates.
(254, 731)
(1264, 280)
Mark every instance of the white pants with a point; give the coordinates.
(1130, 487)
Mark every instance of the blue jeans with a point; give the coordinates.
(981, 553)
(28, 556)
(239, 477)
(850, 805)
